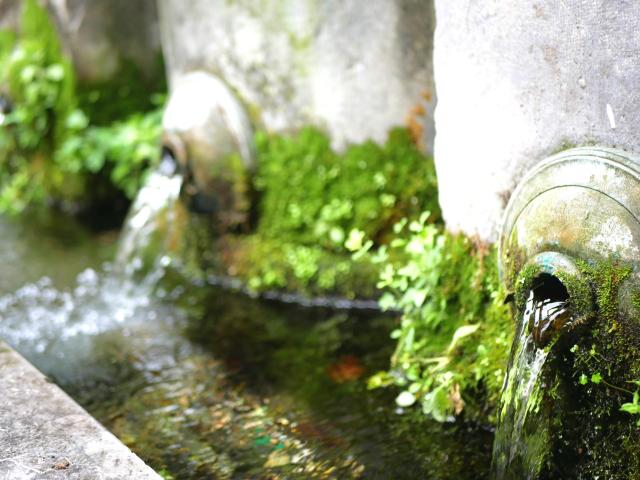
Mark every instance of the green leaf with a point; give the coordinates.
(596, 378)
(461, 333)
(380, 379)
(632, 408)
(405, 399)
(55, 72)
(437, 404)
(355, 240)
(387, 301)
(28, 73)
(77, 120)
(416, 296)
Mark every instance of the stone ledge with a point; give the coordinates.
(44, 434)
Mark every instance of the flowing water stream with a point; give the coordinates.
(522, 437)
(203, 382)
(150, 219)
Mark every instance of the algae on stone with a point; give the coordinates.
(590, 373)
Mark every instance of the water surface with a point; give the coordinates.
(203, 382)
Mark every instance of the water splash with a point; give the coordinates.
(522, 437)
(56, 329)
(148, 225)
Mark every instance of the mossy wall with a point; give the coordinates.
(589, 390)
(310, 198)
(596, 368)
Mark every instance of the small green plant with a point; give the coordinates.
(124, 151)
(268, 264)
(312, 197)
(40, 82)
(448, 291)
(633, 407)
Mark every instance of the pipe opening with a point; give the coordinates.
(549, 287)
(548, 308)
(168, 163)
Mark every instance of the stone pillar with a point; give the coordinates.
(355, 68)
(103, 35)
(9, 14)
(518, 81)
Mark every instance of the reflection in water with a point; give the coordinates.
(204, 383)
(35, 245)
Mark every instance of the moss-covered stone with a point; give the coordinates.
(590, 375)
(310, 198)
(446, 285)
(267, 264)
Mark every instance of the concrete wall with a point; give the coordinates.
(356, 68)
(102, 35)
(516, 82)
(9, 14)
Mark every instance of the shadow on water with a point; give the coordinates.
(207, 383)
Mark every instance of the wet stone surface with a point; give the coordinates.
(45, 435)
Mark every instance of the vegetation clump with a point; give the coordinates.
(65, 143)
(311, 197)
(455, 332)
(50, 150)
(594, 377)
(380, 204)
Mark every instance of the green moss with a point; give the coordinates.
(267, 264)
(7, 42)
(311, 198)
(525, 280)
(635, 301)
(580, 295)
(595, 364)
(311, 195)
(129, 92)
(605, 278)
(579, 288)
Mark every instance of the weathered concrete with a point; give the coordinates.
(355, 68)
(209, 134)
(101, 36)
(9, 14)
(516, 82)
(46, 435)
